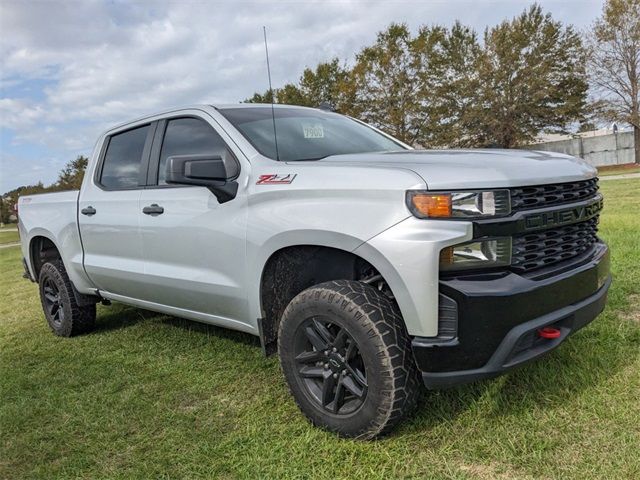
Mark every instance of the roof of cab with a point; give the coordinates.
(259, 105)
(201, 107)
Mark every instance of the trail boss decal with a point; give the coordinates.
(275, 179)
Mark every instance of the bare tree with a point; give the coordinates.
(614, 64)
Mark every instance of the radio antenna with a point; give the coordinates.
(273, 113)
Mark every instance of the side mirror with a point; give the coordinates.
(206, 171)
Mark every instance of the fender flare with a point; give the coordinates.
(331, 239)
(81, 299)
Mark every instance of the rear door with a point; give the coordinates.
(195, 248)
(109, 212)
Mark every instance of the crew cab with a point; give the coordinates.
(372, 268)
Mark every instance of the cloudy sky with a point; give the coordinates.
(69, 69)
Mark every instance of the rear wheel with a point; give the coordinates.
(347, 358)
(64, 316)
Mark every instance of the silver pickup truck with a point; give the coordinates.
(371, 268)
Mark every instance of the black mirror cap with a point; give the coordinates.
(206, 169)
(196, 169)
(211, 171)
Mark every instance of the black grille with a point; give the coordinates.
(535, 250)
(525, 198)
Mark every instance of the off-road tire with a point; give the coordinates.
(71, 319)
(375, 324)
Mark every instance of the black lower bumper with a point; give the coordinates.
(500, 315)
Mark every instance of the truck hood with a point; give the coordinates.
(458, 169)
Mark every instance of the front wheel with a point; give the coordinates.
(347, 359)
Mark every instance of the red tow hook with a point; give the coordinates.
(549, 332)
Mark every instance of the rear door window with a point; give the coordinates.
(123, 159)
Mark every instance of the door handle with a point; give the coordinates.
(153, 209)
(88, 211)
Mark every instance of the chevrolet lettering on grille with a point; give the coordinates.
(563, 217)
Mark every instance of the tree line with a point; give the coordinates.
(69, 178)
(450, 87)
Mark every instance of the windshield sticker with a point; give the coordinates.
(313, 130)
(276, 179)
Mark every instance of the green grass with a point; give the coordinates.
(148, 396)
(8, 237)
(618, 170)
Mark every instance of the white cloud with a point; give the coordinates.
(105, 62)
(17, 114)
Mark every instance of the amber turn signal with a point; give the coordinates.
(446, 256)
(432, 205)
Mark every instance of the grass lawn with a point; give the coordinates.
(618, 169)
(147, 396)
(8, 237)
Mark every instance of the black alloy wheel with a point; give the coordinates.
(52, 303)
(65, 316)
(347, 359)
(330, 366)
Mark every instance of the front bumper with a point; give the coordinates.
(499, 315)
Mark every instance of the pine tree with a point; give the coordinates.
(70, 177)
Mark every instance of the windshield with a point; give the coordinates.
(306, 134)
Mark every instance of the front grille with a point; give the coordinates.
(540, 249)
(525, 198)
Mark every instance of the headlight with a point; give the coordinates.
(459, 205)
(495, 252)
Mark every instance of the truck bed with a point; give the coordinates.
(53, 216)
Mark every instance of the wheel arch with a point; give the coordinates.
(291, 268)
(42, 248)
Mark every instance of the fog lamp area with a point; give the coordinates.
(495, 252)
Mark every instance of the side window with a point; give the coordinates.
(188, 136)
(121, 166)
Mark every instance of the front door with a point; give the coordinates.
(194, 246)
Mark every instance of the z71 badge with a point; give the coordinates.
(276, 179)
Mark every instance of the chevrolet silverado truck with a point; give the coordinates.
(372, 269)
